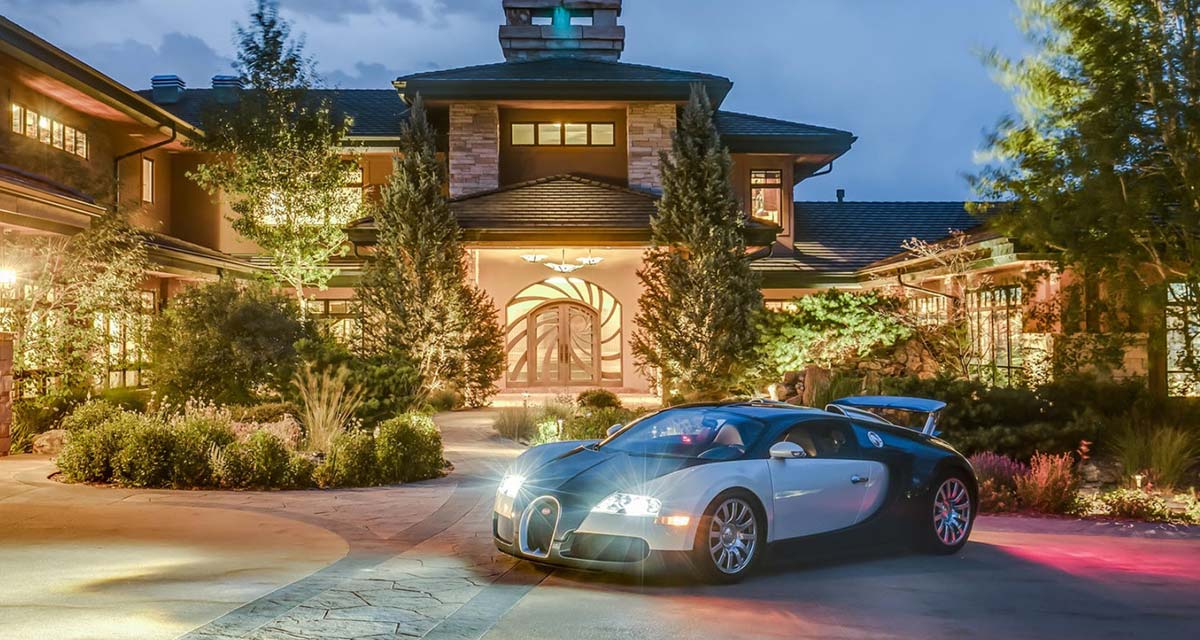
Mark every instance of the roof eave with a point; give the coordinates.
(663, 91)
(834, 145)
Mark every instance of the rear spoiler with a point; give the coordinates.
(860, 407)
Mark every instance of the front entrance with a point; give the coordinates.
(563, 332)
(564, 339)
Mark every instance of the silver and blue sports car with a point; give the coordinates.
(718, 484)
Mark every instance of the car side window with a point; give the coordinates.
(823, 439)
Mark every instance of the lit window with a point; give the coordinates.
(928, 310)
(604, 134)
(355, 180)
(996, 322)
(147, 180)
(524, 135)
(81, 144)
(549, 133)
(44, 130)
(18, 118)
(338, 319)
(766, 196)
(576, 134)
(1183, 339)
(48, 131)
(31, 120)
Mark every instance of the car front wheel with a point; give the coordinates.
(730, 538)
(947, 524)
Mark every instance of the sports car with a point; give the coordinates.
(719, 485)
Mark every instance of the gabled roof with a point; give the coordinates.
(747, 133)
(841, 237)
(376, 112)
(561, 79)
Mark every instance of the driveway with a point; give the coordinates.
(417, 561)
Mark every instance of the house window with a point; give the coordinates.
(766, 195)
(928, 311)
(583, 19)
(338, 319)
(995, 322)
(1183, 339)
(556, 134)
(147, 180)
(127, 357)
(355, 183)
(49, 131)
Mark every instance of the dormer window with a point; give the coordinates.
(559, 134)
(766, 196)
(48, 131)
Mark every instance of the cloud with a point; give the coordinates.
(366, 75)
(340, 10)
(132, 63)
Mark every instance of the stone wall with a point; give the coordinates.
(474, 148)
(6, 385)
(650, 129)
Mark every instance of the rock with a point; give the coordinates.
(50, 442)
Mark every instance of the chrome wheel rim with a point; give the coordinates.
(733, 535)
(952, 512)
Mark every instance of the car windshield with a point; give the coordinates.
(688, 432)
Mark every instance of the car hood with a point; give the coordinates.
(581, 477)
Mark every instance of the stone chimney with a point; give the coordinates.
(166, 89)
(226, 88)
(538, 29)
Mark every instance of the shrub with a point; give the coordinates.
(836, 387)
(300, 472)
(269, 460)
(995, 497)
(265, 413)
(516, 423)
(33, 416)
(389, 381)
(547, 431)
(408, 448)
(90, 414)
(349, 463)
(1051, 484)
(595, 425)
(286, 429)
(196, 433)
(147, 452)
(997, 475)
(598, 399)
(1166, 453)
(445, 400)
(225, 342)
(127, 398)
(1137, 505)
(329, 402)
(231, 466)
(88, 454)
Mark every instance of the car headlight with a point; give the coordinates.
(629, 504)
(510, 485)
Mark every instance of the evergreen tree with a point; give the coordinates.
(275, 155)
(415, 292)
(696, 321)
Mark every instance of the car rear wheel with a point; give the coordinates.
(730, 538)
(950, 517)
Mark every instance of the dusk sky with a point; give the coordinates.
(903, 75)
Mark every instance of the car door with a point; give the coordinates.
(823, 491)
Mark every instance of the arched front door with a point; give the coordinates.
(564, 340)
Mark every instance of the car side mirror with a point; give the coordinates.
(787, 450)
(613, 429)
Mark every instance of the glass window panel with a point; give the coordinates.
(523, 134)
(44, 129)
(81, 144)
(768, 176)
(339, 307)
(582, 20)
(549, 133)
(147, 180)
(604, 134)
(69, 139)
(18, 118)
(767, 204)
(576, 134)
(31, 123)
(1183, 339)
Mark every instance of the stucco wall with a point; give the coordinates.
(503, 274)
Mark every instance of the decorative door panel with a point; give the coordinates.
(563, 332)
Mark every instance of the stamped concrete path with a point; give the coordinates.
(417, 561)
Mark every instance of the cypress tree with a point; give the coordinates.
(697, 309)
(415, 293)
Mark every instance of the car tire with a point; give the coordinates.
(733, 524)
(945, 520)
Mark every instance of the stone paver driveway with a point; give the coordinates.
(417, 561)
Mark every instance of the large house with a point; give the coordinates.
(553, 165)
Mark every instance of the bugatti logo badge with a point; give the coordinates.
(875, 439)
(545, 511)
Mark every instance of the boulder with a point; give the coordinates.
(49, 443)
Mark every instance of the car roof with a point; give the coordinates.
(766, 411)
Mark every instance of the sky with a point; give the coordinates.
(904, 75)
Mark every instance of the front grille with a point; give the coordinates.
(606, 548)
(538, 525)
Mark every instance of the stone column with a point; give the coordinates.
(650, 129)
(6, 397)
(474, 148)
